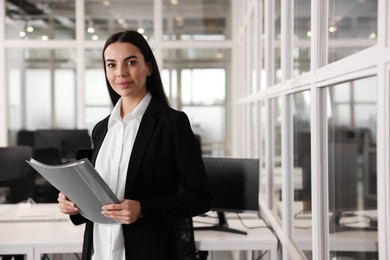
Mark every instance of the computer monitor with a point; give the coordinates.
(343, 182)
(235, 186)
(67, 141)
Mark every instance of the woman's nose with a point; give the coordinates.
(121, 72)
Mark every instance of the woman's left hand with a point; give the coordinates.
(126, 212)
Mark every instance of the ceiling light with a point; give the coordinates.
(91, 30)
(219, 55)
(29, 28)
(141, 30)
(179, 21)
(174, 2)
(121, 20)
(44, 37)
(308, 34)
(372, 35)
(95, 37)
(22, 34)
(106, 2)
(332, 28)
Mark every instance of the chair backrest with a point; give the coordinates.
(12, 162)
(16, 174)
(49, 155)
(25, 138)
(67, 141)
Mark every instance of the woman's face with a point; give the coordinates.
(126, 69)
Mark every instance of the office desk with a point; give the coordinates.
(346, 241)
(34, 238)
(26, 212)
(260, 238)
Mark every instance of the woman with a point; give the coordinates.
(144, 150)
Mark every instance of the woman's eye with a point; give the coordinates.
(110, 65)
(131, 62)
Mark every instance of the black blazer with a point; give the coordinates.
(166, 174)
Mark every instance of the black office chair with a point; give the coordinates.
(16, 174)
(25, 138)
(44, 191)
(186, 241)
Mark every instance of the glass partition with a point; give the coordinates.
(277, 148)
(262, 48)
(40, 20)
(41, 86)
(196, 20)
(301, 105)
(198, 80)
(352, 171)
(352, 27)
(264, 189)
(103, 18)
(302, 35)
(277, 43)
(97, 100)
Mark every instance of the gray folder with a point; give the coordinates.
(82, 184)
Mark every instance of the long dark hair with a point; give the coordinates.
(153, 82)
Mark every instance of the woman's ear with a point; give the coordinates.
(150, 69)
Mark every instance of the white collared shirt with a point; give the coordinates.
(112, 162)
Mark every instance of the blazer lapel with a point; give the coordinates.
(100, 134)
(141, 143)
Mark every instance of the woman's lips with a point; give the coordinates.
(124, 84)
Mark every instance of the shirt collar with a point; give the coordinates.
(137, 113)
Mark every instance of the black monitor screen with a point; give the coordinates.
(235, 183)
(235, 186)
(66, 140)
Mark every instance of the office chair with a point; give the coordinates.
(16, 174)
(185, 240)
(25, 138)
(44, 191)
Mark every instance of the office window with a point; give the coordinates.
(277, 42)
(352, 139)
(40, 20)
(301, 177)
(204, 103)
(261, 48)
(252, 58)
(103, 18)
(195, 91)
(198, 76)
(196, 20)
(352, 27)
(277, 148)
(302, 35)
(41, 84)
(97, 100)
(263, 125)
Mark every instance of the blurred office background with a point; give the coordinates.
(302, 85)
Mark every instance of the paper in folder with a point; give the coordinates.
(82, 184)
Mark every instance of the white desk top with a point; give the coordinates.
(47, 234)
(258, 238)
(43, 225)
(26, 212)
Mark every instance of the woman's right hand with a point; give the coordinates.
(67, 206)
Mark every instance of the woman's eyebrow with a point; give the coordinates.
(131, 57)
(127, 58)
